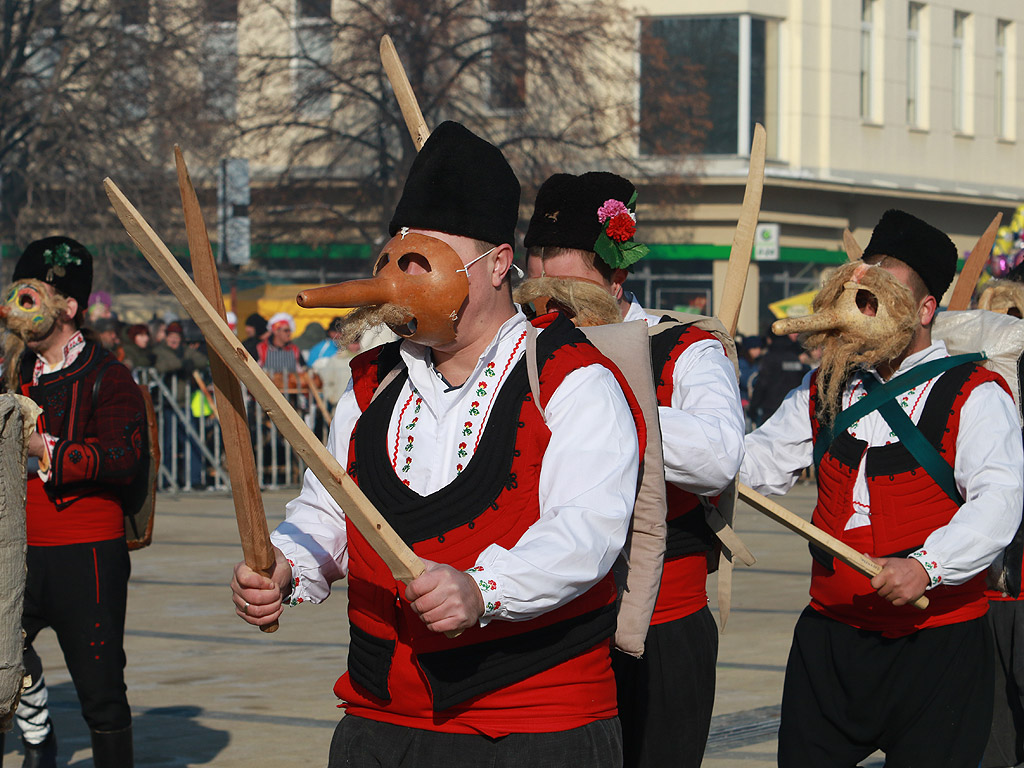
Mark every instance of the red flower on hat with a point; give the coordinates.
(621, 228)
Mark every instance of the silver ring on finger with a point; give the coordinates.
(245, 608)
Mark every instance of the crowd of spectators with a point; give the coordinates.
(169, 356)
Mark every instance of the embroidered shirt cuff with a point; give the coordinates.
(44, 463)
(931, 567)
(298, 594)
(490, 591)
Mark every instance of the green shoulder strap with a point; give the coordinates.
(881, 398)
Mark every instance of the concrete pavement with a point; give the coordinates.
(207, 689)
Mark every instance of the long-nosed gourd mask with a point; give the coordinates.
(418, 289)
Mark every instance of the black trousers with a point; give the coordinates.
(1006, 739)
(362, 743)
(924, 699)
(81, 590)
(666, 697)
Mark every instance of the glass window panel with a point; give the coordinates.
(684, 60)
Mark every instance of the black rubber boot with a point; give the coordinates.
(112, 749)
(42, 755)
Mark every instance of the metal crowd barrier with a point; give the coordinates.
(191, 441)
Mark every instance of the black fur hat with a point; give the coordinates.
(919, 245)
(461, 185)
(60, 261)
(566, 216)
(1016, 274)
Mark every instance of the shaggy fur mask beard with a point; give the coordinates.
(587, 303)
(29, 314)
(360, 320)
(864, 342)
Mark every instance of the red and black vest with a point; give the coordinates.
(906, 506)
(690, 543)
(98, 451)
(550, 673)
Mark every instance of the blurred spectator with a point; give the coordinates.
(137, 353)
(750, 350)
(279, 353)
(157, 330)
(177, 362)
(108, 335)
(334, 369)
(232, 319)
(313, 334)
(327, 347)
(99, 306)
(255, 332)
(781, 370)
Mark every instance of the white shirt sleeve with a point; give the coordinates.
(313, 535)
(989, 473)
(587, 489)
(702, 433)
(781, 448)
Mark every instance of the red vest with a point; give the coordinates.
(690, 541)
(906, 506)
(547, 674)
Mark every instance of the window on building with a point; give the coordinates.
(43, 49)
(132, 78)
(959, 71)
(914, 11)
(508, 54)
(708, 78)
(220, 59)
(312, 57)
(867, 52)
(1003, 97)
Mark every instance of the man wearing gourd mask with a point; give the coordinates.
(519, 508)
(87, 447)
(920, 465)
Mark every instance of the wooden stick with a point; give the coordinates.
(853, 250)
(860, 563)
(403, 92)
(405, 565)
(743, 239)
(965, 284)
(316, 397)
(206, 392)
(250, 515)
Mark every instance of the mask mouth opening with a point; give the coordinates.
(406, 330)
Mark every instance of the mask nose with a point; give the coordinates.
(353, 293)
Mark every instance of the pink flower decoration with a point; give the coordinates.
(610, 209)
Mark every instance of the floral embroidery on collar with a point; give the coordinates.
(72, 349)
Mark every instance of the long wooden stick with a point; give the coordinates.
(743, 239)
(257, 550)
(965, 284)
(859, 562)
(405, 565)
(403, 92)
(316, 396)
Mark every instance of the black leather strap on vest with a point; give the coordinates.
(488, 473)
(688, 534)
(462, 673)
(662, 345)
(369, 661)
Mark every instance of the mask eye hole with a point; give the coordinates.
(382, 261)
(867, 302)
(27, 299)
(413, 264)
